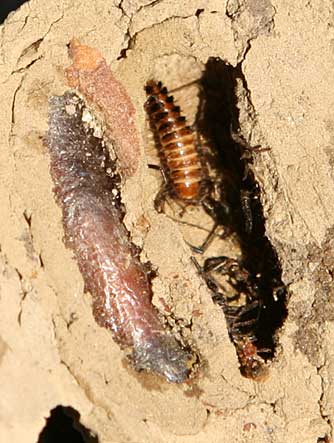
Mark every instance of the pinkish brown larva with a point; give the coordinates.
(108, 261)
(91, 75)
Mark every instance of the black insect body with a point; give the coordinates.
(250, 291)
(241, 319)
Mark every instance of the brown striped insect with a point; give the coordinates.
(183, 167)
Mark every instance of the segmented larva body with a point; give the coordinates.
(86, 187)
(177, 145)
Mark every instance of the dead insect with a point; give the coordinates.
(241, 319)
(186, 177)
(251, 364)
(183, 164)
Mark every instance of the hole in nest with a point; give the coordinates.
(256, 272)
(199, 12)
(8, 6)
(64, 425)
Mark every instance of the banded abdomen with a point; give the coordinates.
(177, 145)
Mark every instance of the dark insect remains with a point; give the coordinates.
(248, 287)
(242, 320)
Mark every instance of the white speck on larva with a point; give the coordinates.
(87, 116)
(70, 109)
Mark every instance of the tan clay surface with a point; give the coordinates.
(51, 350)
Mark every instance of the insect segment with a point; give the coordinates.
(241, 319)
(186, 176)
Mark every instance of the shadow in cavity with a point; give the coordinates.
(7, 6)
(232, 158)
(64, 425)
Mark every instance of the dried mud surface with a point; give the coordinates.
(51, 350)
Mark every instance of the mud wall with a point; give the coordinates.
(51, 350)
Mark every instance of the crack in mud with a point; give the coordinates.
(13, 107)
(36, 44)
(248, 21)
(311, 315)
(24, 292)
(324, 416)
(130, 39)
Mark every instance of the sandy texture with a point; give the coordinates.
(51, 350)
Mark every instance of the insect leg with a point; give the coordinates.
(185, 85)
(246, 206)
(160, 198)
(221, 264)
(221, 215)
(211, 282)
